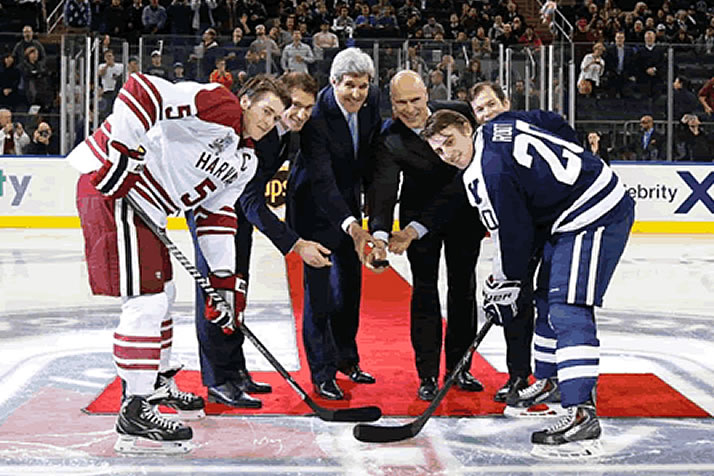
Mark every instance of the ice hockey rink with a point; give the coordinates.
(55, 357)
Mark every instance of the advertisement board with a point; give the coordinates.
(670, 197)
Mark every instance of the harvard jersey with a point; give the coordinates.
(525, 180)
(195, 158)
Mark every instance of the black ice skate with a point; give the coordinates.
(143, 430)
(574, 435)
(188, 405)
(540, 400)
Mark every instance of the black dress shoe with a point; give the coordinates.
(513, 384)
(357, 375)
(245, 382)
(329, 390)
(467, 382)
(428, 389)
(229, 394)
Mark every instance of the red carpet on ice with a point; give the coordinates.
(386, 352)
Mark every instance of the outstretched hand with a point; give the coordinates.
(400, 240)
(361, 240)
(376, 254)
(313, 253)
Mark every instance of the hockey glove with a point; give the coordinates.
(119, 174)
(226, 314)
(499, 300)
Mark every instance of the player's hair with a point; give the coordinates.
(478, 87)
(351, 61)
(302, 81)
(442, 119)
(261, 84)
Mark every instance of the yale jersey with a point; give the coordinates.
(195, 158)
(526, 180)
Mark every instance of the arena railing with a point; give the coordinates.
(534, 77)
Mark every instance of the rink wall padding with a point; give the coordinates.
(671, 197)
(386, 352)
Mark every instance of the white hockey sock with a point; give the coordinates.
(167, 327)
(137, 342)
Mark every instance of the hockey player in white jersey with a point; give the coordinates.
(172, 148)
(530, 183)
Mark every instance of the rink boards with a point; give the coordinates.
(39, 192)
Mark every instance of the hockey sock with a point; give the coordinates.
(137, 342)
(578, 354)
(544, 341)
(167, 327)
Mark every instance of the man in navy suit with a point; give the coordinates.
(323, 204)
(223, 366)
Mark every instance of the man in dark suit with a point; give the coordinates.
(323, 204)
(519, 332)
(650, 144)
(400, 150)
(223, 365)
(651, 66)
(619, 60)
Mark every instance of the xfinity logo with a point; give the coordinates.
(18, 187)
(700, 192)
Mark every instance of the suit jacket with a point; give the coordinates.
(426, 178)
(611, 60)
(272, 153)
(655, 147)
(645, 59)
(326, 179)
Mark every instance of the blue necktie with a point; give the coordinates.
(352, 123)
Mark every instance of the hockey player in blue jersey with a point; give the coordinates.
(534, 183)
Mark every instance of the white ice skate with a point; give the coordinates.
(187, 405)
(542, 399)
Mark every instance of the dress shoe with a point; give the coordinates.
(428, 389)
(357, 375)
(329, 390)
(467, 382)
(514, 384)
(245, 382)
(229, 394)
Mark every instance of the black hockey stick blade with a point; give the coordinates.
(370, 413)
(384, 434)
(387, 434)
(343, 414)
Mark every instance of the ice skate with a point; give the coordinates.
(514, 384)
(188, 405)
(542, 399)
(143, 430)
(575, 435)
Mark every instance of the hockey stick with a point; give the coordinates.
(385, 434)
(371, 413)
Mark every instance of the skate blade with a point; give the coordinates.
(134, 445)
(540, 410)
(184, 415)
(575, 450)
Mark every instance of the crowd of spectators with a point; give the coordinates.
(620, 46)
